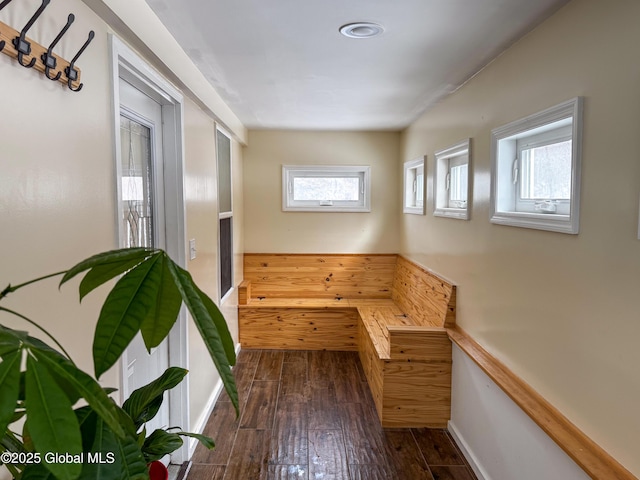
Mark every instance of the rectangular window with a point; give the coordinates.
(536, 170)
(452, 181)
(414, 186)
(225, 208)
(326, 188)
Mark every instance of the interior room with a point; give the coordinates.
(434, 206)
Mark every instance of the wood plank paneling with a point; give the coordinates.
(416, 394)
(244, 292)
(299, 328)
(419, 344)
(321, 275)
(422, 295)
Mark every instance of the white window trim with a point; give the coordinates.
(410, 165)
(290, 171)
(440, 195)
(569, 110)
(223, 215)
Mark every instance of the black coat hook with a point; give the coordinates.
(48, 59)
(2, 5)
(22, 46)
(70, 71)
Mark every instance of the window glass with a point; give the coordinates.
(326, 188)
(546, 172)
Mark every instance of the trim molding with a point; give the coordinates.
(596, 462)
(467, 452)
(206, 413)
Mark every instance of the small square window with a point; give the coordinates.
(326, 188)
(452, 184)
(414, 181)
(536, 170)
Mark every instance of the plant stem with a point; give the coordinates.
(42, 329)
(11, 289)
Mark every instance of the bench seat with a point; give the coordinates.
(390, 310)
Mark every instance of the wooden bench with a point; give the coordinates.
(390, 310)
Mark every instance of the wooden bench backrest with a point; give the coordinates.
(427, 298)
(320, 276)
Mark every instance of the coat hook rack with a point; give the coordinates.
(48, 59)
(2, 5)
(22, 45)
(31, 54)
(71, 72)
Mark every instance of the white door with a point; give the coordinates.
(143, 218)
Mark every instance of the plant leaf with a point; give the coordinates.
(36, 471)
(104, 446)
(120, 256)
(164, 312)
(101, 274)
(86, 387)
(143, 403)
(203, 439)
(221, 326)
(122, 313)
(9, 386)
(48, 408)
(134, 466)
(207, 328)
(159, 444)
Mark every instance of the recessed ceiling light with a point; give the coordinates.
(361, 30)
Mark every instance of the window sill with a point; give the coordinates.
(552, 222)
(414, 210)
(458, 213)
(333, 209)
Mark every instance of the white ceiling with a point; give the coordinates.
(283, 63)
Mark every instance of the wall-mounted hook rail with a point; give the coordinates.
(21, 44)
(42, 58)
(2, 5)
(71, 72)
(48, 59)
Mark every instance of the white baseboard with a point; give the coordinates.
(206, 413)
(467, 452)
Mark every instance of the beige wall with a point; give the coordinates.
(561, 310)
(57, 188)
(269, 229)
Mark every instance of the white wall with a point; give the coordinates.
(559, 310)
(498, 438)
(269, 229)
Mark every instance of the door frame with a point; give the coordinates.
(126, 64)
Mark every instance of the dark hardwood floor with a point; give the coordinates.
(310, 415)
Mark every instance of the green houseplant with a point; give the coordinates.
(72, 429)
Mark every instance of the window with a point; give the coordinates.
(414, 181)
(225, 208)
(536, 170)
(326, 188)
(452, 181)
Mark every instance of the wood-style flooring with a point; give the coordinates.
(309, 415)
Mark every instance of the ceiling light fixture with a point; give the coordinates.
(361, 30)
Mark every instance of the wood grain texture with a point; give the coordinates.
(299, 328)
(327, 455)
(592, 458)
(424, 296)
(416, 394)
(422, 344)
(250, 455)
(8, 33)
(280, 302)
(320, 275)
(244, 292)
